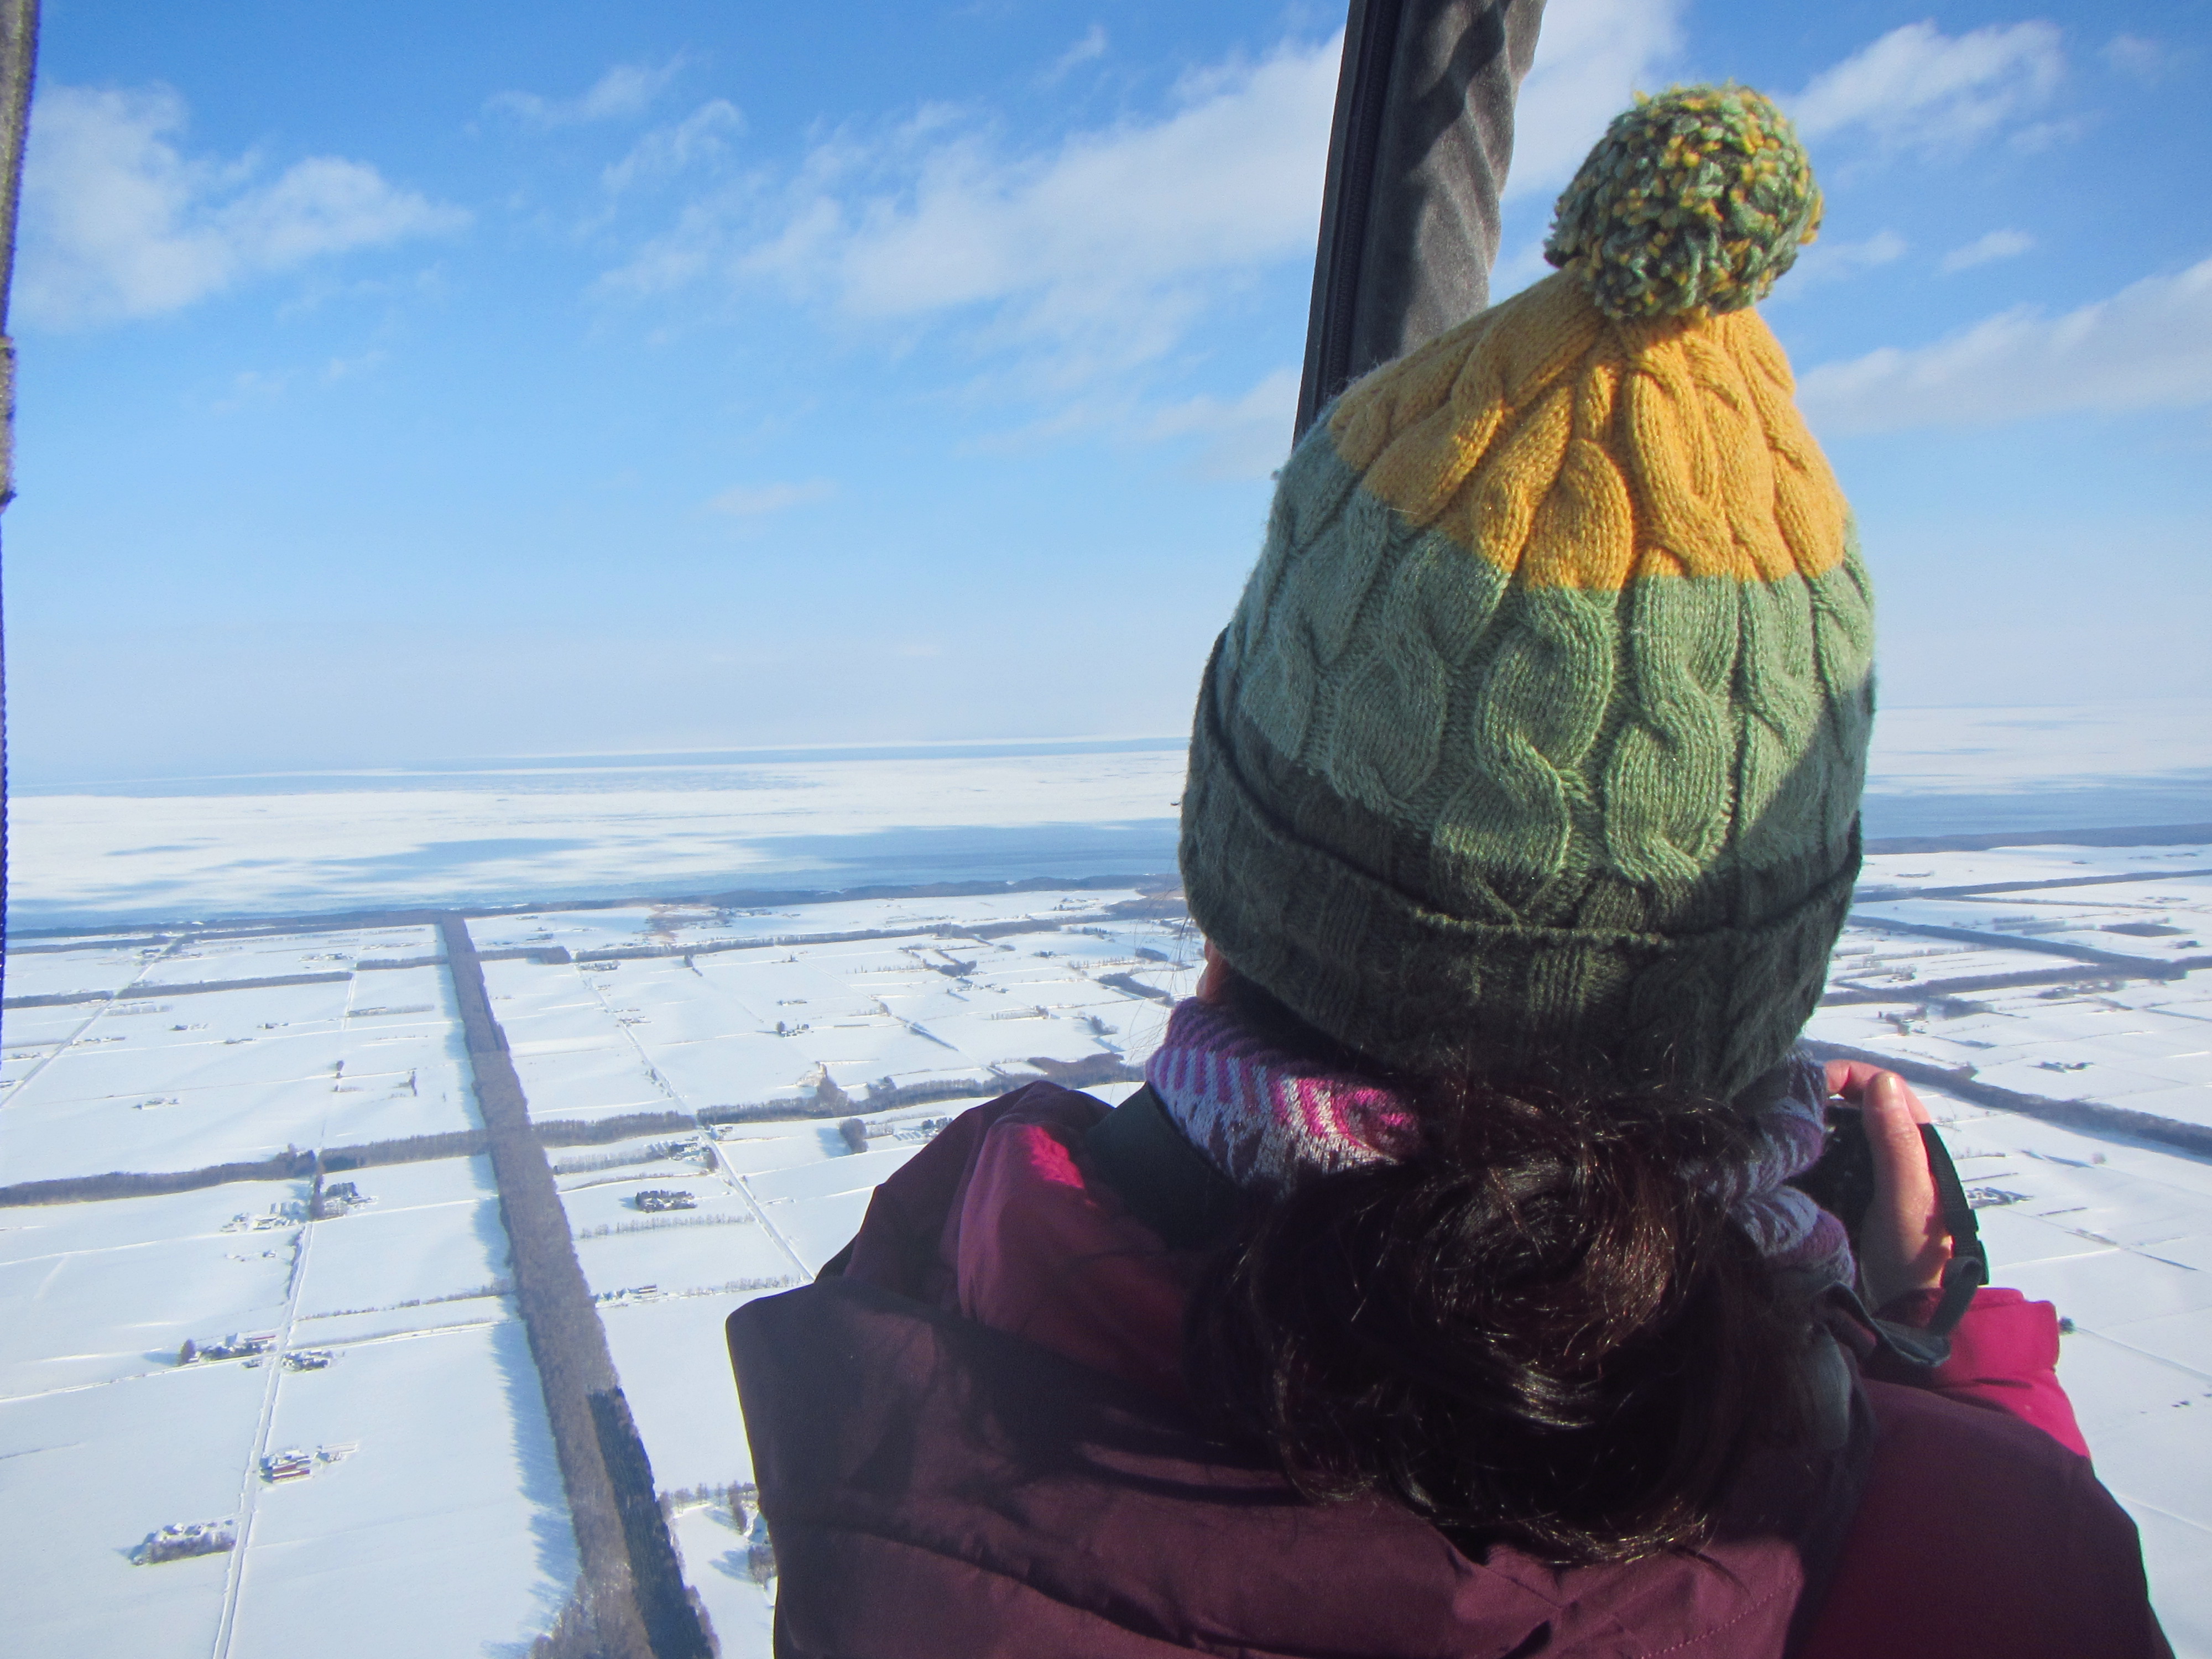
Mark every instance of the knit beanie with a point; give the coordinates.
(1534, 745)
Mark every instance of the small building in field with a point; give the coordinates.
(293, 1465)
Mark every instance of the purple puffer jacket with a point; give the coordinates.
(939, 1488)
(939, 1485)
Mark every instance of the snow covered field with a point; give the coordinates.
(431, 1512)
(444, 1532)
(2084, 974)
(2097, 944)
(719, 1023)
(526, 831)
(174, 1071)
(90, 1473)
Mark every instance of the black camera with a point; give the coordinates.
(1843, 1184)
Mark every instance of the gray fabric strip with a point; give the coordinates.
(1417, 161)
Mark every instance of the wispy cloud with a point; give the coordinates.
(1918, 87)
(2147, 60)
(1089, 255)
(1829, 260)
(344, 368)
(2148, 346)
(1247, 438)
(756, 500)
(250, 387)
(1100, 252)
(623, 93)
(1996, 245)
(666, 151)
(1590, 58)
(118, 223)
(1089, 49)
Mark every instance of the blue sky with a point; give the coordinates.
(411, 381)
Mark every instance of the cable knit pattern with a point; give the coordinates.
(1266, 1118)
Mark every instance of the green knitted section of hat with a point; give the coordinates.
(1694, 201)
(1453, 819)
(1317, 904)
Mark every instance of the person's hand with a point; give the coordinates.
(1902, 1244)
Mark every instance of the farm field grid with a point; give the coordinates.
(256, 1288)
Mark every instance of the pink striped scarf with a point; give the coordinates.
(1264, 1117)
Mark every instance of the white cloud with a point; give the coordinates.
(343, 368)
(252, 387)
(2150, 346)
(1229, 180)
(1590, 57)
(2132, 54)
(1246, 439)
(120, 223)
(1916, 86)
(755, 500)
(1829, 260)
(623, 93)
(1083, 258)
(1089, 49)
(1092, 255)
(665, 152)
(1997, 245)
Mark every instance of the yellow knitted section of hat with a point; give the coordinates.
(1572, 450)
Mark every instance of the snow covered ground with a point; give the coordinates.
(88, 1474)
(444, 1532)
(717, 1563)
(150, 1081)
(2119, 1234)
(929, 1003)
(524, 832)
(2099, 943)
(432, 1513)
(530, 831)
(2077, 978)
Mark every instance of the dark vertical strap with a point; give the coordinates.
(1968, 1269)
(1164, 1180)
(1923, 1348)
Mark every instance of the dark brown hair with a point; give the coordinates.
(1539, 1330)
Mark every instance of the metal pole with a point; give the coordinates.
(19, 51)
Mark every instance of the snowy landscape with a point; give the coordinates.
(265, 1372)
(517, 517)
(320, 1360)
(535, 831)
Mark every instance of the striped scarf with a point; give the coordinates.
(1265, 1117)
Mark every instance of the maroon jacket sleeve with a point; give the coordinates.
(1979, 1538)
(2004, 1356)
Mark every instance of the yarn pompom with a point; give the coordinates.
(1692, 203)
